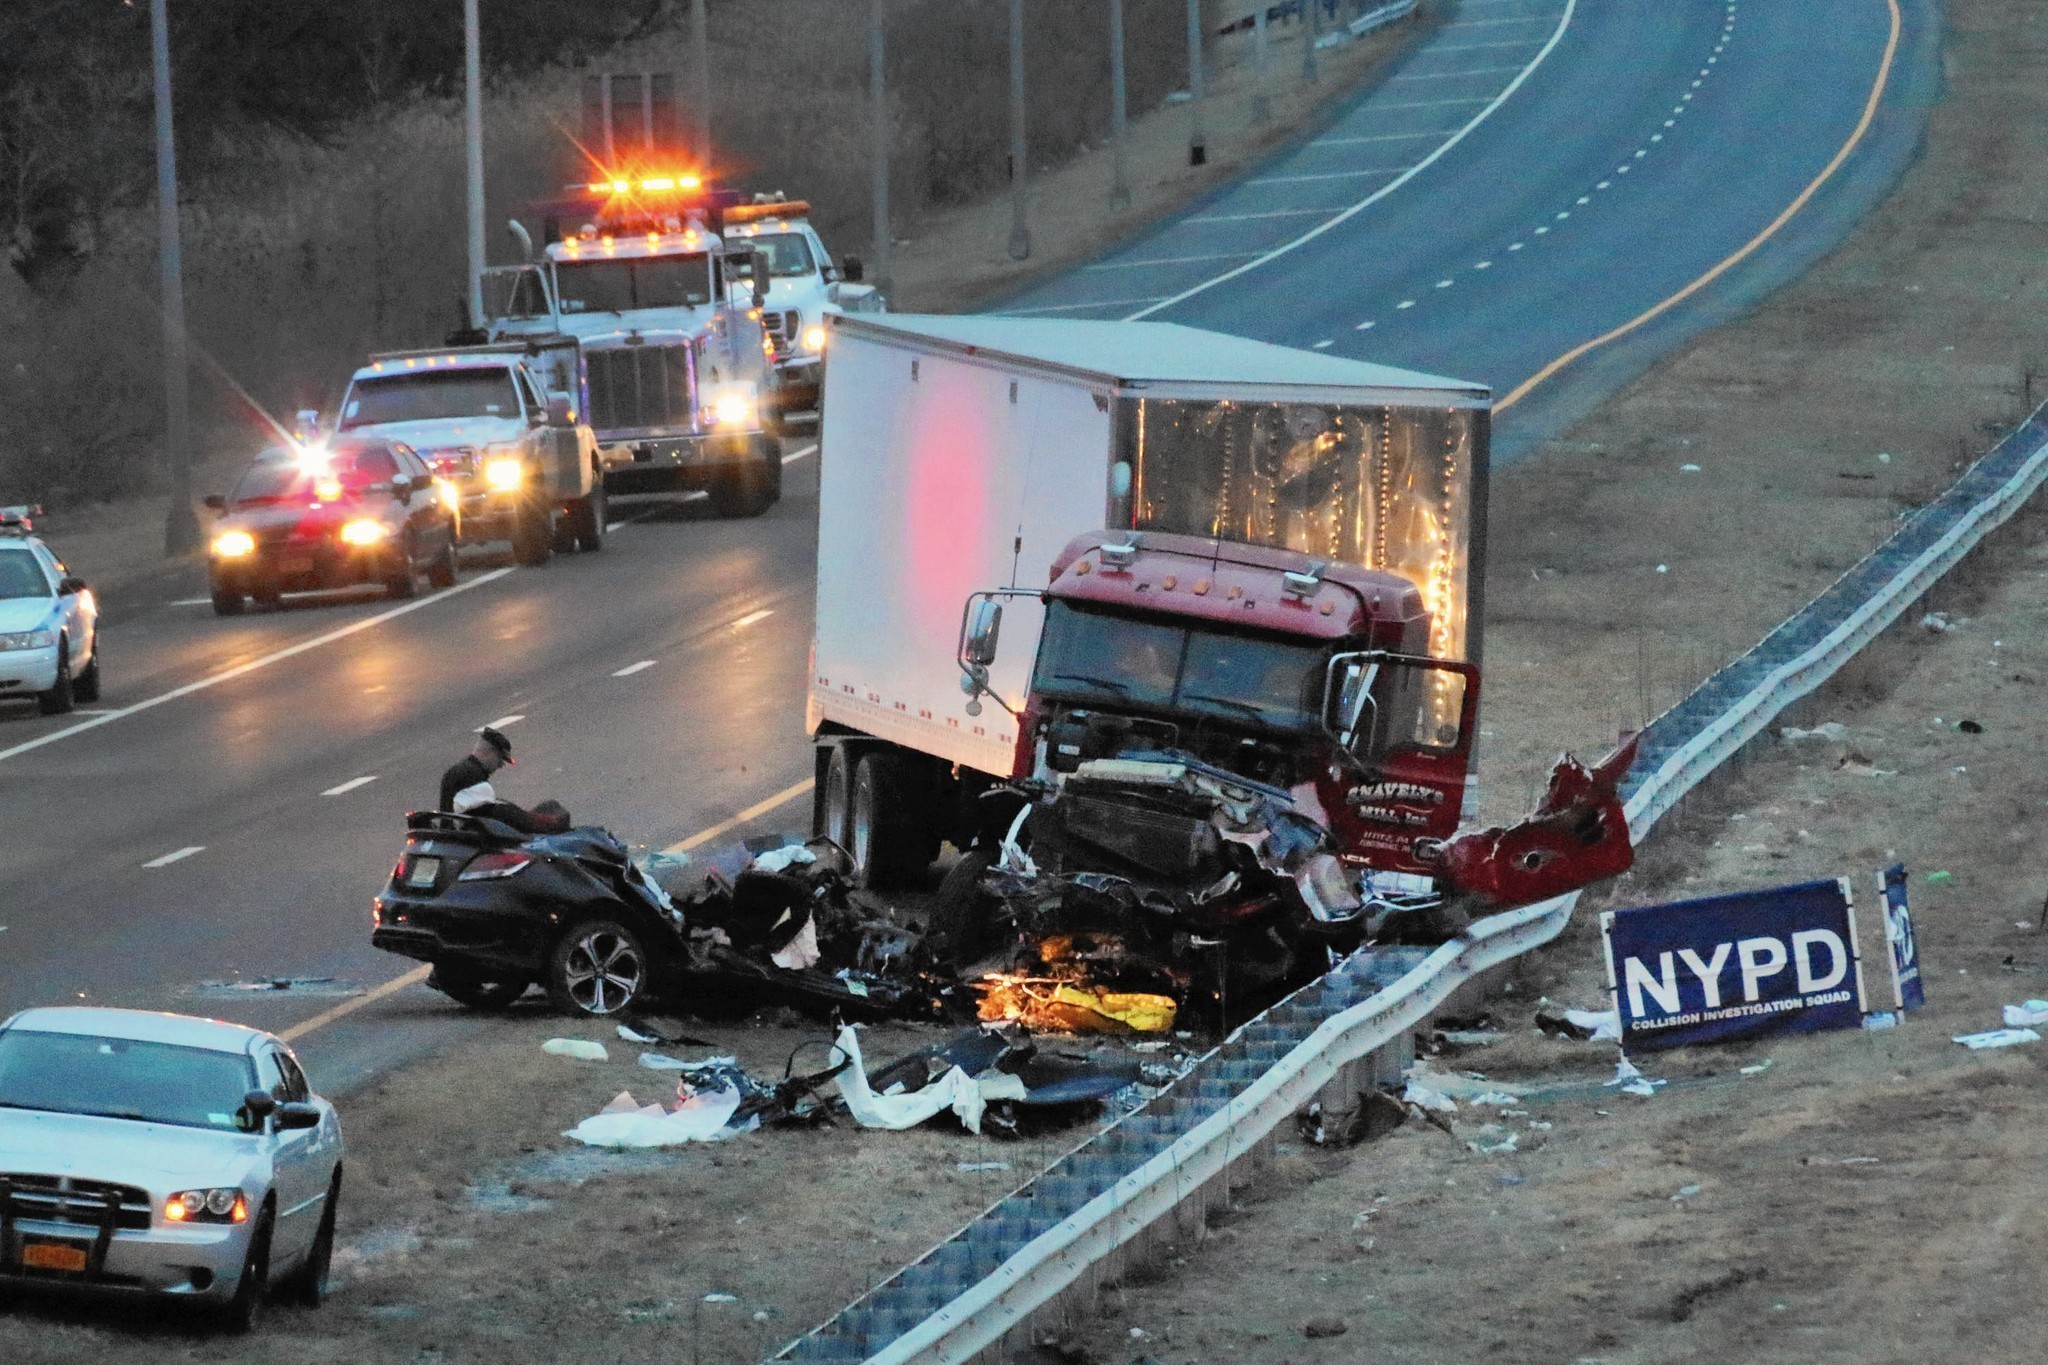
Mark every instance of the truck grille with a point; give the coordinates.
(59, 1199)
(635, 388)
(782, 328)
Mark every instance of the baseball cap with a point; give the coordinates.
(497, 741)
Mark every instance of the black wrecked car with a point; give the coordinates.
(355, 511)
(496, 912)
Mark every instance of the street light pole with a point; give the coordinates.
(878, 99)
(701, 42)
(181, 527)
(1262, 106)
(473, 139)
(1309, 41)
(1198, 144)
(1120, 190)
(1020, 233)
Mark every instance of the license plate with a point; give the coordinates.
(53, 1256)
(295, 564)
(424, 872)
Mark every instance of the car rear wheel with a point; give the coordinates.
(441, 573)
(479, 990)
(308, 1284)
(58, 699)
(227, 603)
(241, 1313)
(86, 686)
(598, 969)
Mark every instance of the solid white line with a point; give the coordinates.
(1433, 104)
(1173, 260)
(503, 721)
(1075, 307)
(1481, 47)
(170, 858)
(1383, 191)
(1325, 175)
(1454, 75)
(252, 665)
(350, 785)
(192, 601)
(754, 616)
(810, 449)
(1378, 137)
(630, 669)
(1249, 217)
(1496, 23)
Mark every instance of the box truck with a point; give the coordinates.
(1191, 617)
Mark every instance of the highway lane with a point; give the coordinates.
(658, 687)
(1536, 174)
(712, 724)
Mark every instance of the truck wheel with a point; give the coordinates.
(838, 802)
(403, 582)
(598, 969)
(227, 603)
(958, 930)
(752, 488)
(533, 536)
(887, 835)
(441, 573)
(589, 519)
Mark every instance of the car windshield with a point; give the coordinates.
(649, 282)
(1148, 662)
(789, 254)
(69, 1073)
(279, 475)
(424, 395)
(21, 576)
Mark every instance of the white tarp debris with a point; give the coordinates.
(1422, 1096)
(2000, 1037)
(1462, 1086)
(579, 1049)
(632, 1035)
(801, 951)
(656, 1061)
(623, 1123)
(965, 1095)
(1632, 1081)
(2024, 1015)
(1605, 1024)
(782, 859)
(1833, 732)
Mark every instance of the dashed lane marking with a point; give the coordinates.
(630, 669)
(503, 721)
(753, 616)
(794, 456)
(177, 857)
(350, 785)
(229, 674)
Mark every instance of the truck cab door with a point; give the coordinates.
(1403, 727)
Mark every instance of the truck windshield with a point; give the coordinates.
(651, 282)
(118, 1078)
(419, 396)
(789, 254)
(1102, 658)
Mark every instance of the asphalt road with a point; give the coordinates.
(1534, 173)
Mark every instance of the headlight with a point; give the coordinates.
(363, 532)
(328, 490)
(814, 338)
(234, 544)
(733, 409)
(447, 492)
(28, 639)
(227, 1205)
(504, 473)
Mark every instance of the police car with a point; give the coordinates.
(49, 622)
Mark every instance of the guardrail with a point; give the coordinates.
(1075, 1224)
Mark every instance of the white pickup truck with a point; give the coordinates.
(803, 285)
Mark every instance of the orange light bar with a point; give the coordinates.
(788, 208)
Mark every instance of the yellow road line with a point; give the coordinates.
(1884, 70)
(755, 811)
(419, 974)
(326, 1017)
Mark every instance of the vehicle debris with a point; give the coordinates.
(2002, 1037)
(899, 1107)
(697, 1117)
(578, 1049)
(2032, 1012)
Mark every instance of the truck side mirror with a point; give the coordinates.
(401, 488)
(851, 269)
(757, 275)
(984, 629)
(560, 414)
(1350, 712)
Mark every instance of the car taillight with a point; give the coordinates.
(490, 866)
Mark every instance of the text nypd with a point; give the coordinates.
(1736, 976)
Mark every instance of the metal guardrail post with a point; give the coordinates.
(1120, 187)
(1020, 231)
(1198, 143)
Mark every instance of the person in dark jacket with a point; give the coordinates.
(466, 789)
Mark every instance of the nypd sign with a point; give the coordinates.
(1729, 967)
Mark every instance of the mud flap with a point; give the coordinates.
(1577, 835)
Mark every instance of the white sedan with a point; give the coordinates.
(159, 1154)
(49, 622)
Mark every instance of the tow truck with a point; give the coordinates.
(676, 379)
(803, 286)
